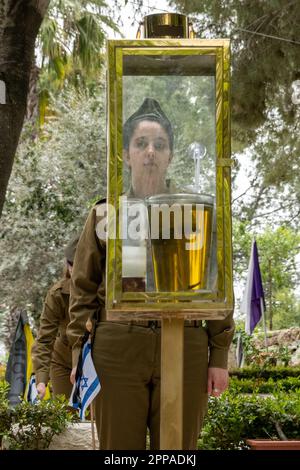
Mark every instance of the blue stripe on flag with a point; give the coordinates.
(86, 350)
(88, 394)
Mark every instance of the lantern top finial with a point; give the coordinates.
(166, 25)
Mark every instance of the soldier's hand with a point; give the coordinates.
(72, 376)
(217, 381)
(41, 389)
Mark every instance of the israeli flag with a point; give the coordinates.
(87, 384)
(32, 394)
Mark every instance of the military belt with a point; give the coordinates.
(189, 323)
(100, 317)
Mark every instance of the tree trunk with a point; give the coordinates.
(32, 111)
(20, 21)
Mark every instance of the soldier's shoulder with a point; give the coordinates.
(99, 209)
(98, 205)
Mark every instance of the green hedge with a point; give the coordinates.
(30, 426)
(276, 373)
(233, 418)
(260, 385)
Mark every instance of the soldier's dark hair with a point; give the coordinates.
(150, 110)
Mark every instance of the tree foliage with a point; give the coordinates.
(277, 256)
(19, 26)
(71, 45)
(263, 67)
(69, 49)
(275, 192)
(54, 181)
(265, 63)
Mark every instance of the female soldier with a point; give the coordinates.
(51, 353)
(127, 354)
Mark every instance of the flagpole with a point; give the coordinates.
(93, 425)
(89, 327)
(264, 322)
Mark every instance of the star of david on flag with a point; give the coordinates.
(87, 384)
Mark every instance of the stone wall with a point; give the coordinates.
(289, 337)
(76, 437)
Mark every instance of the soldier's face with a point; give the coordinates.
(148, 157)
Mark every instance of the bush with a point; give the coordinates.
(260, 385)
(5, 414)
(233, 418)
(32, 426)
(276, 373)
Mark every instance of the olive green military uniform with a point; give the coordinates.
(127, 357)
(51, 353)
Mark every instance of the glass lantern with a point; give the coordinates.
(169, 238)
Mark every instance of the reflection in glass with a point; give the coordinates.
(184, 87)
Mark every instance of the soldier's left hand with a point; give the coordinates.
(41, 389)
(217, 381)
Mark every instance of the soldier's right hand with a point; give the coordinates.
(41, 388)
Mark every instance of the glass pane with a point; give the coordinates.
(169, 167)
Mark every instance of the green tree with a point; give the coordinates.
(19, 26)
(71, 44)
(277, 255)
(55, 179)
(263, 67)
(265, 120)
(286, 309)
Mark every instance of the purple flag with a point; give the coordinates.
(253, 303)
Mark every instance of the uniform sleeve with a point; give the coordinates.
(220, 334)
(52, 315)
(86, 277)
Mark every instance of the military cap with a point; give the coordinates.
(71, 248)
(150, 110)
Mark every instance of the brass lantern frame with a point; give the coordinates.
(155, 305)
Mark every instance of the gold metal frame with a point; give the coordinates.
(131, 305)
